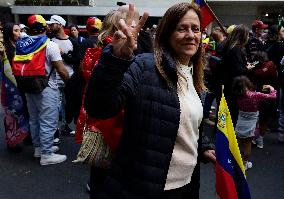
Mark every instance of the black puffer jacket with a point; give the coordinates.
(152, 114)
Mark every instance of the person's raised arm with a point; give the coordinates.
(125, 39)
(110, 84)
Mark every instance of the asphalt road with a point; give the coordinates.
(265, 179)
(21, 176)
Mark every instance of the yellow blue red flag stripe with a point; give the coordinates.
(230, 173)
(27, 47)
(16, 118)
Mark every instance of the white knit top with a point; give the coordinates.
(184, 157)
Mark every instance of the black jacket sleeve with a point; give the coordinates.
(238, 62)
(112, 82)
(204, 144)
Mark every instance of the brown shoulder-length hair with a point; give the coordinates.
(165, 29)
(241, 85)
(239, 36)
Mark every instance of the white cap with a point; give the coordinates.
(22, 26)
(56, 19)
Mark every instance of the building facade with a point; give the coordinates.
(76, 11)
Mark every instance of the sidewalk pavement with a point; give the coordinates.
(21, 175)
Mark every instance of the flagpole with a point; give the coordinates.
(218, 22)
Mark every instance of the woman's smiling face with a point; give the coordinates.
(186, 38)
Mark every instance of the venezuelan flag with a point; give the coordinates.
(230, 173)
(29, 59)
(27, 47)
(207, 15)
(16, 119)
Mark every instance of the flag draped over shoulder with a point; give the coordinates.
(29, 59)
(230, 173)
(207, 15)
(16, 121)
(26, 47)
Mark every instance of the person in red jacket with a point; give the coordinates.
(89, 62)
(110, 128)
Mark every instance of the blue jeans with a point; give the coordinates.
(62, 104)
(43, 109)
(281, 111)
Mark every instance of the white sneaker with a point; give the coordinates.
(248, 165)
(259, 142)
(37, 153)
(56, 141)
(281, 137)
(72, 133)
(52, 159)
(88, 187)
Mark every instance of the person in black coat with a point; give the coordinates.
(275, 51)
(144, 45)
(234, 64)
(161, 146)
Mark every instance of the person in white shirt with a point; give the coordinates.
(41, 106)
(70, 55)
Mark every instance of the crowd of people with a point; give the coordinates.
(137, 92)
(249, 65)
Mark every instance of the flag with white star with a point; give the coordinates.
(16, 120)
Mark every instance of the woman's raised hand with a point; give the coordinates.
(125, 39)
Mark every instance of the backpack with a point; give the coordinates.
(29, 70)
